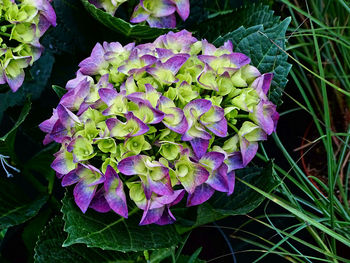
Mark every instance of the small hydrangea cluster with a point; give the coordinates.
(160, 119)
(22, 23)
(157, 13)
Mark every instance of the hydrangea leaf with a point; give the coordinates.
(14, 211)
(267, 56)
(242, 201)
(248, 15)
(121, 26)
(52, 238)
(109, 231)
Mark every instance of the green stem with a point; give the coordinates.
(233, 127)
(5, 34)
(242, 116)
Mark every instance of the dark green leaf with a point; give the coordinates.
(22, 116)
(7, 141)
(49, 249)
(247, 16)
(40, 163)
(265, 47)
(242, 201)
(123, 27)
(110, 231)
(159, 255)
(33, 228)
(16, 206)
(59, 90)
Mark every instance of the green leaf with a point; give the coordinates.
(300, 214)
(7, 141)
(242, 201)
(123, 27)
(110, 231)
(49, 249)
(264, 46)
(59, 90)
(40, 162)
(40, 72)
(16, 206)
(33, 228)
(247, 16)
(22, 116)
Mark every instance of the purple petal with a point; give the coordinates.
(75, 97)
(47, 125)
(108, 95)
(199, 146)
(238, 59)
(176, 121)
(99, 202)
(266, 116)
(59, 132)
(218, 128)
(129, 165)
(218, 179)
(66, 117)
(182, 8)
(96, 61)
(162, 187)
(61, 164)
(231, 182)
(248, 150)
(151, 216)
(139, 15)
(15, 83)
(175, 63)
(161, 8)
(201, 194)
(114, 192)
(162, 22)
(234, 161)
(199, 177)
(166, 218)
(262, 84)
(198, 107)
(83, 195)
(170, 200)
(213, 160)
(70, 178)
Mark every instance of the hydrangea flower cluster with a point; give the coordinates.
(22, 23)
(157, 13)
(156, 121)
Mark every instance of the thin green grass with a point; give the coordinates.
(319, 47)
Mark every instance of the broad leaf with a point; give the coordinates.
(247, 16)
(242, 201)
(121, 26)
(265, 47)
(49, 249)
(16, 206)
(110, 231)
(7, 140)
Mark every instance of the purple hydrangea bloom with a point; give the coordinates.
(159, 121)
(157, 13)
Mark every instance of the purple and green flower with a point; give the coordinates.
(23, 22)
(157, 13)
(154, 122)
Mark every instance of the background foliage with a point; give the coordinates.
(36, 216)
